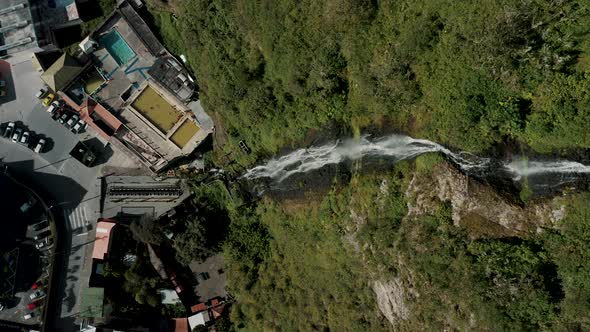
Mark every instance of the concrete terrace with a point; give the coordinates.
(121, 77)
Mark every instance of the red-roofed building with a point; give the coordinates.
(181, 325)
(102, 239)
(198, 308)
(217, 311)
(97, 117)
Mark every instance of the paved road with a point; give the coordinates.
(73, 187)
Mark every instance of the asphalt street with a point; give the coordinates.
(73, 188)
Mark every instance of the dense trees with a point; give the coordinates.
(299, 268)
(466, 74)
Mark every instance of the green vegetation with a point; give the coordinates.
(311, 266)
(132, 284)
(470, 75)
(95, 13)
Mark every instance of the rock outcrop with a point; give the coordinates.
(477, 206)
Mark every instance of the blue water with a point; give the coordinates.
(116, 46)
(59, 3)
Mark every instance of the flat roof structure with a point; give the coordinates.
(158, 194)
(181, 325)
(103, 234)
(17, 30)
(169, 296)
(198, 319)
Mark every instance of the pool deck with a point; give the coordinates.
(121, 77)
(156, 138)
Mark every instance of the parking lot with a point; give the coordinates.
(28, 113)
(73, 187)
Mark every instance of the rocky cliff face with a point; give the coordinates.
(477, 206)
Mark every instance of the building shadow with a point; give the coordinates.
(103, 153)
(53, 187)
(6, 76)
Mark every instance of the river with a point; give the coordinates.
(289, 172)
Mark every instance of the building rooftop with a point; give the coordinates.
(44, 59)
(141, 29)
(101, 244)
(99, 118)
(169, 296)
(181, 325)
(61, 72)
(17, 31)
(199, 319)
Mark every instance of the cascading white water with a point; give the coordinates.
(398, 147)
(523, 167)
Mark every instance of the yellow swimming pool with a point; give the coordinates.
(156, 109)
(185, 132)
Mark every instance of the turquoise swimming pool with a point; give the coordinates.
(116, 46)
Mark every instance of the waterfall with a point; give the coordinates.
(400, 147)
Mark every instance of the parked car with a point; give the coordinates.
(43, 244)
(72, 121)
(2, 93)
(63, 118)
(41, 93)
(2, 84)
(48, 99)
(53, 107)
(24, 139)
(42, 235)
(28, 316)
(1, 306)
(40, 145)
(55, 116)
(38, 294)
(17, 133)
(40, 225)
(9, 129)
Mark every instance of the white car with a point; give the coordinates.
(44, 244)
(24, 139)
(63, 118)
(72, 121)
(37, 294)
(28, 316)
(9, 129)
(53, 107)
(17, 133)
(41, 93)
(1, 306)
(40, 145)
